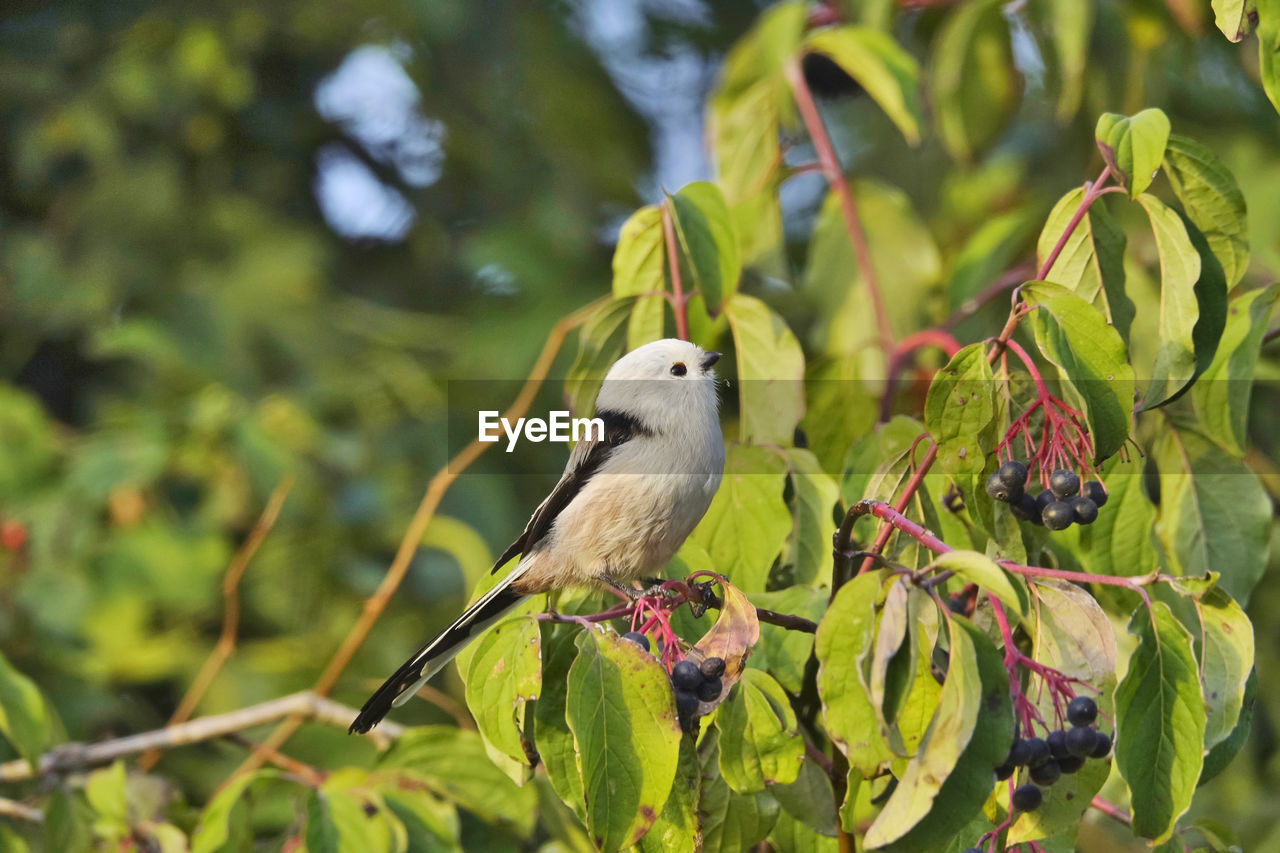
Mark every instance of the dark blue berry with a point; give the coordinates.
(639, 639)
(686, 676)
(1064, 483)
(1082, 711)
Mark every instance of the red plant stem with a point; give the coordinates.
(848, 205)
(1041, 388)
(678, 301)
(887, 530)
(970, 306)
(1092, 192)
(929, 337)
(1111, 810)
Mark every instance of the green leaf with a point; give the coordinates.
(707, 243)
(959, 407)
(1227, 749)
(990, 578)
(1133, 146)
(600, 343)
(622, 714)
(748, 520)
(793, 835)
(1072, 634)
(336, 822)
(552, 737)
(1091, 261)
(729, 820)
(949, 779)
(759, 743)
(452, 762)
(1225, 650)
(1070, 24)
(1214, 513)
(814, 495)
(1091, 359)
(843, 642)
(1222, 393)
(105, 791)
(1212, 200)
(770, 372)
(503, 673)
(68, 823)
(972, 78)
(676, 830)
(1232, 17)
(213, 829)
(1269, 48)
(991, 250)
(781, 652)
(1160, 720)
(24, 716)
(639, 256)
(430, 823)
(1119, 542)
(809, 800)
(1179, 270)
(744, 138)
(760, 55)
(880, 65)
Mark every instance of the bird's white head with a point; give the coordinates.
(661, 380)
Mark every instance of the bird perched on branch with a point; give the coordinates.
(624, 504)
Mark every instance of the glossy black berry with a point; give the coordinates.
(1037, 751)
(639, 639)
(1101, 745)
(1093, 491)
(712, 668)
(1064, 483)
(1070, 764)
(686, 704)
(957, 604)
(1019, 754)
(686, 676)
(972, 850)
(1013, 474)
(1024, 509)
(1004, 771)
(1057, 744)
(1058, 515)
(1082, 711)
(997, 489)
(1044, 499)
(1081, 741)
(709, 690)
(1045, 774)
(1085, 509)
(1027, 798)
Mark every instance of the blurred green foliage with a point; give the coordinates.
(181, 328)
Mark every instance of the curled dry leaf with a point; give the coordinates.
(736, 630)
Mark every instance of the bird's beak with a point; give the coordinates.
(709, 358)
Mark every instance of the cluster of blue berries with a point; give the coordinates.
(1057, 507)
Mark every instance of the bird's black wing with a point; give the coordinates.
(584, 461)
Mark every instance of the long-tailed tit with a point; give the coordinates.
(624, 505)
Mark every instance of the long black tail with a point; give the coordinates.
(432, 657)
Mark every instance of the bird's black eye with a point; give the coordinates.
(678, 369)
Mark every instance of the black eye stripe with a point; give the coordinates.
(678, 369)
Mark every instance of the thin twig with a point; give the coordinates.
(908, 345)
(20, 811)
(1271, 335)
(305, 705)
(908, 491)
(679, 305)
(230, 612)
(310, 775)
(971, 306)
(436, 489)
(848, 204)
(1111, 810)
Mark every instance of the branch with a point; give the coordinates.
(230, 612)
(1111, 810)
(20, 811)
(927, 338)
(305, 705)
(436, 489)
(848, 204)
(1092, 192)
(886, 531)
(679, 305)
